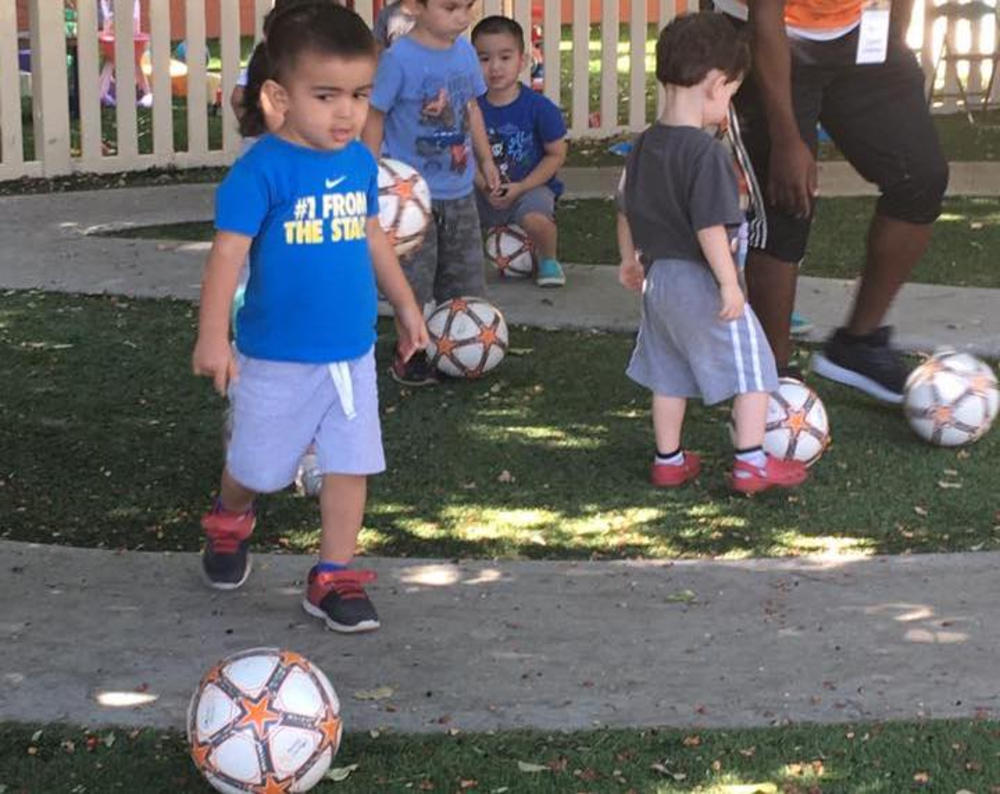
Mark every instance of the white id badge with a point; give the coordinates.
(873, 36)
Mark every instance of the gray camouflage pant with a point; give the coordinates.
(450, 262)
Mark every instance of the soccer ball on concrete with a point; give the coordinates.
(797, 425)
(508, 249)
(404, 205)
(468, 337)
(264, 720)
(951, 399)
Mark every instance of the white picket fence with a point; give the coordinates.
(63, 146)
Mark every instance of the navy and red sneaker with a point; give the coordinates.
(225, 560)
(663, 475)
(415, 372)
(747, 478)
(339, 599)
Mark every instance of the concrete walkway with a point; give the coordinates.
(46, 242)
(483, 645)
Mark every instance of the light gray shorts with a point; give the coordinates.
(281, 407)
(539, 200)
(685, 350)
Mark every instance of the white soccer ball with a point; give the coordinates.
(797, 425)
(468, 337)
(404, 205)
(509, 250)
(264, 719)
(951, 399)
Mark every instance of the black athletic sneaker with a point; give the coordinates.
(415, 372)
(339, 599)
(865, 362)
(791, 371)
(225, 561)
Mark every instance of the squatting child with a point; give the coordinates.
(424, 109)
(303, 202)
(678, 222)
(528, 138)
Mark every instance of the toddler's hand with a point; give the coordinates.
(214, 358)
(411, 331)
(732, 301)
(492, 176)
(630, 274)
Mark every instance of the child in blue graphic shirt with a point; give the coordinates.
(424, 110)
(528, 137)
(303, 203)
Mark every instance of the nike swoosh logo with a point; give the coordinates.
(332, 183)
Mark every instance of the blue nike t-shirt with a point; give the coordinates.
(424, 94)
(519, 131)
(311, 294)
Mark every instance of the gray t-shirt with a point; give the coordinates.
(392, 22)
(677, 181)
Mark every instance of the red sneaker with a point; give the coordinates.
(775, 473)
(663, 475)
(225, 560)
(339, 598)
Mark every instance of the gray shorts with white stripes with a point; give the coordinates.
(685, 350)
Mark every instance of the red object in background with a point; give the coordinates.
(107, 40)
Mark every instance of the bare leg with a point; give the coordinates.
(894, 248)
(234, 497)
(750, 416)
(771, 287)
(668, 419)
(543, 233)
(342, 507)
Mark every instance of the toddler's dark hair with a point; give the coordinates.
(292, 28)
(489, 26)
(694, 44)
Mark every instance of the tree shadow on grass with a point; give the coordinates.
(109, 441)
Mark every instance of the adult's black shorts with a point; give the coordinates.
(877, 115)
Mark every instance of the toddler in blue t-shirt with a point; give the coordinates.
(303, 202)
(528, 138)
(424, 111)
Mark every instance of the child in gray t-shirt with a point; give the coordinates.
(394, 20)
(678, 227)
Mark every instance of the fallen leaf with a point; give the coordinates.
(920, 511)
(339, 773)
(374, 733)
(681, 597)
(524, 766)
(692, 741)
(505, 476)
(749, 788)
(36, 736)
(946, 484)
(921, 778)
(467, 783)
(379, 693)
(520, 351)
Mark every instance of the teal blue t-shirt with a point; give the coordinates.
(424, 94)
(311, 293)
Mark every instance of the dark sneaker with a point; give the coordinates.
(415, 372)
(791, 371)
(339, 598)
(864, 362)
(225, 560)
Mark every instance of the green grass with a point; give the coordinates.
(890, 758)
(961, 252)
(109, 442)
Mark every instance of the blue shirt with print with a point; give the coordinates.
(311, 293)
(519, 131)
(424, 94)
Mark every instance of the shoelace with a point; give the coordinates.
(224, 541)
(350, 583)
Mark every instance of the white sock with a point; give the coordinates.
(671, 459)
(754, 456)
